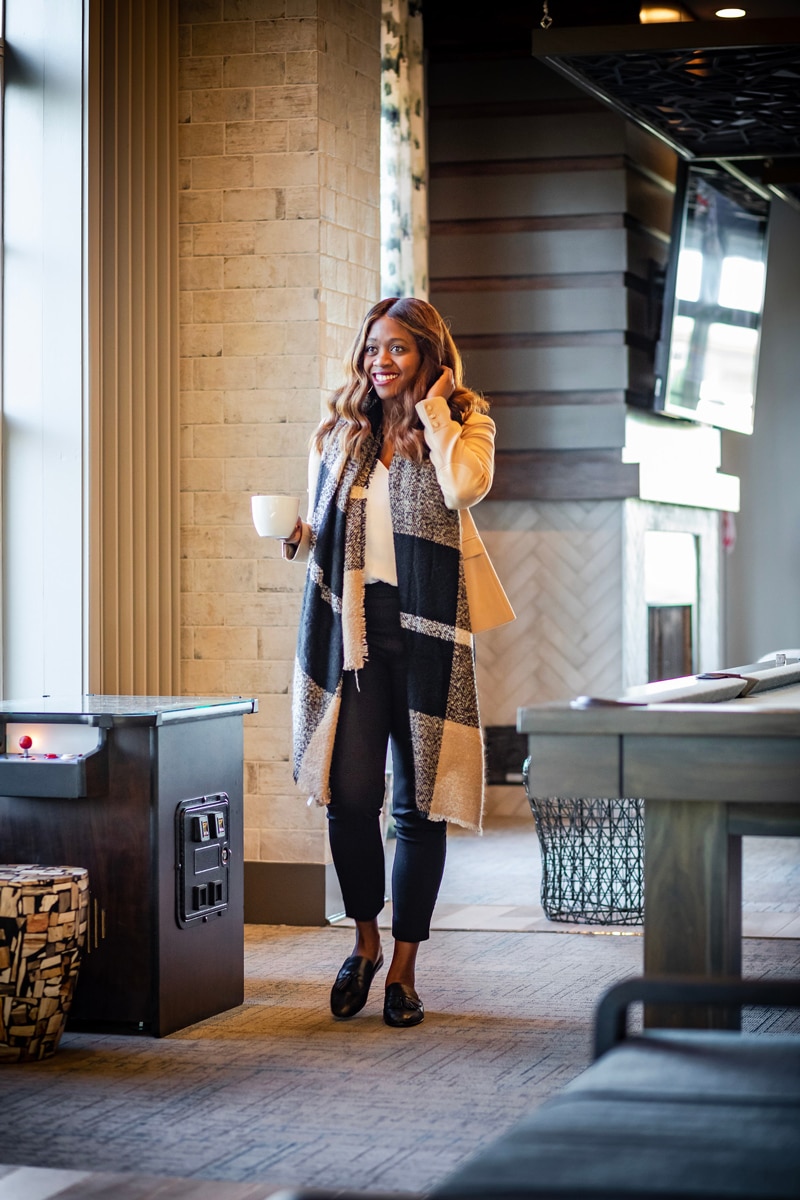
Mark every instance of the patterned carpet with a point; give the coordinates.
(493, 882)
(276, 1092)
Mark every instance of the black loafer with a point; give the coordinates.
(349, 992)
(402, 1006)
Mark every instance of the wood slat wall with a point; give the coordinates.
(132, 232)
(543, 261)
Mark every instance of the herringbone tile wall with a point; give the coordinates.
(574, 573)
(561, 564)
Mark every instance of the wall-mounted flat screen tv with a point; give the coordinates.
(707, 355)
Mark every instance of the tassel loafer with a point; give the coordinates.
(351, 987)
(402, 1006)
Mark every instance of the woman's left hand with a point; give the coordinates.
(444, 386)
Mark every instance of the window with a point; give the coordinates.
(43, 349)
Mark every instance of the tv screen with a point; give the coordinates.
(707, 354)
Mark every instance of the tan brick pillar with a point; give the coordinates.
(279, 225)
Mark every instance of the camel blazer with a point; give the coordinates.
(463, 457)
(489, 605)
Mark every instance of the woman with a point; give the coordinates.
(385, 648)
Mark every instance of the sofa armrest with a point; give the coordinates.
(611, 1013)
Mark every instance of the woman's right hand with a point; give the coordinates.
(296, 536)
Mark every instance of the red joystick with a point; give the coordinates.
(26, 741)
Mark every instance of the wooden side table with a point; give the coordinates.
(43, 919)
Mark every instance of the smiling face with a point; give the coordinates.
(391, 358)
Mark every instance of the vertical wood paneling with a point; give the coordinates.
(132, 232)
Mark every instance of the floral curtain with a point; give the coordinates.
(404, 168)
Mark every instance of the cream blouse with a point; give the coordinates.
(379, 562)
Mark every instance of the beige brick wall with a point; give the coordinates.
(279, 107)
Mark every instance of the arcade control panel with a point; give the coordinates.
(53, 760)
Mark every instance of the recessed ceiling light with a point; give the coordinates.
(730, 13)
(657, 14)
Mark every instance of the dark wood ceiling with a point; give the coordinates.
(741, 102)
(455, 29)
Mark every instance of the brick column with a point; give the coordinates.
(279, 192)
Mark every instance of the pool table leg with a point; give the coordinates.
(692, 903)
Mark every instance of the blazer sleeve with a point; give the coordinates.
(300, 552)
(462, 455)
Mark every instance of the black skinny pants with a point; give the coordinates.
(374, 710)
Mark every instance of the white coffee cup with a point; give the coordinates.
(275, 516)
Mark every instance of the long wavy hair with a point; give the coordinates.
(400, 421)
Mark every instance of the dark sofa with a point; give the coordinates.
(685, 1114)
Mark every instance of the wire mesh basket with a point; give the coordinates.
(592, 857)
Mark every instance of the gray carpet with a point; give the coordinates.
(277, 1092)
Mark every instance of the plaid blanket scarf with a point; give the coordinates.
(442, 694)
